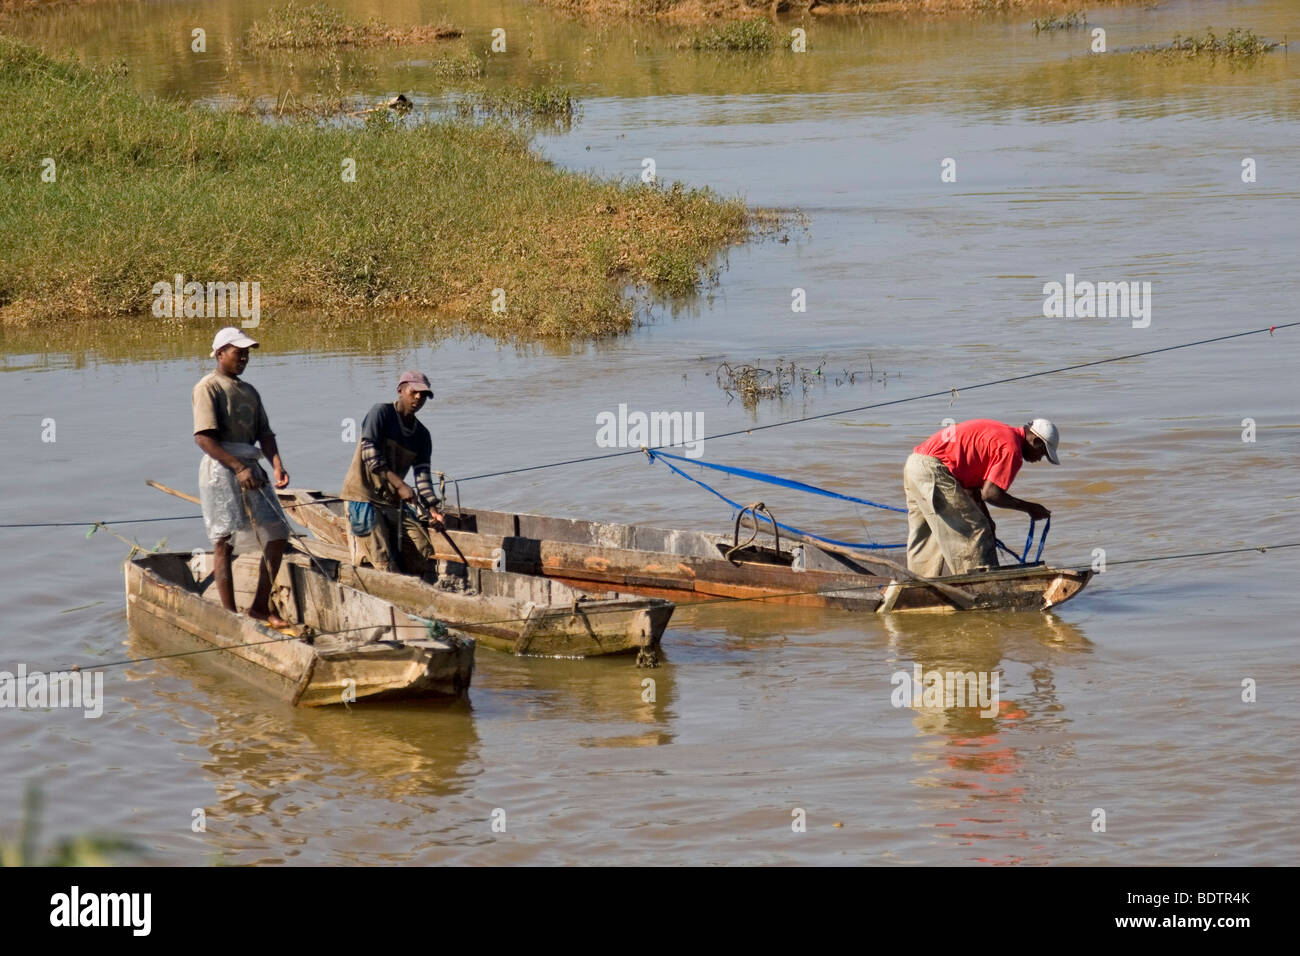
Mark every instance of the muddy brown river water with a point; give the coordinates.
(1129, 699)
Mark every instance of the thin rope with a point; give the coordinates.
(756, 428)
(83, 524)
(861, 546)
(832, 589)
(898, 401)
(1262, 549)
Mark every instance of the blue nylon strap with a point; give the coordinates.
(772, 480)
(862, 546)
(813, 489)
(1042, 541)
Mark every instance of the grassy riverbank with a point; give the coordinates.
(305, 26)
(440, 213)
(708, 11)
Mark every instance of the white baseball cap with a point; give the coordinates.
(1048, 432)
(231, 336)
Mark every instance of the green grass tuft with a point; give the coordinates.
(441, 213)
(1237, 43)
(1072, 20)
(88, 849)
(302, 26)
(547, 103)
(752, 36)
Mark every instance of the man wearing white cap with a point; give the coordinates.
(239, 509)
(393, 442)
(951, 479)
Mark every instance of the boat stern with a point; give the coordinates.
(391, 670)
(596, 628)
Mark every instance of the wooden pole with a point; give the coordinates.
(963, 599)
(172, 491)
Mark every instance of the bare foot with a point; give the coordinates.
(267, 617)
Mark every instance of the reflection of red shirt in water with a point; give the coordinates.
(977, 451)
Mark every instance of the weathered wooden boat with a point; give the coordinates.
(342, 645)
(520, 614)
(691, 565)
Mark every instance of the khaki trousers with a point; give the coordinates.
(387, 548)
(947, 533)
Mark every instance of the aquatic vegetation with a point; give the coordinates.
(299, 26)
(82, 850)
(461, 66)
(709, 12)
(1066, 21)
(1237, 43)
(540, 102)
(753, 384)
(752, 36)
(672, 272)
(680, 11)
(550, 106)
(396, 212)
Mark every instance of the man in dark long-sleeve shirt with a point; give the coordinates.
(393, 443)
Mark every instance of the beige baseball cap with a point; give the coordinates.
(1050, 435)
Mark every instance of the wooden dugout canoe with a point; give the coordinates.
(691, 565)
(363, 647)
(521, 614)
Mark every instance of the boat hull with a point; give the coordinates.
(687, 565)
(366, 649)
(516, 613)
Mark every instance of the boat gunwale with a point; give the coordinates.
(824, 593)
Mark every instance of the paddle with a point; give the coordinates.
(172, 491)
(963, 599)
(441, 529)
(420, 514)
(190, 498)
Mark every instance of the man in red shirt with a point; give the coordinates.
(951, 479)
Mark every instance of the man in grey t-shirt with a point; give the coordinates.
(229, 424)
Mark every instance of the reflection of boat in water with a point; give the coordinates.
(759, 624)
(974, 779)
(616, 705)
(384, 750)
(977, 644)
(981, 634)
(344, 645)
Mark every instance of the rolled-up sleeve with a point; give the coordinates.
(424, 486)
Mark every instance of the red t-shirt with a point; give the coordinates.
(977, 451)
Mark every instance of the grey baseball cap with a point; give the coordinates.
(418, 380)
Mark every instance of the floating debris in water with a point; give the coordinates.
(753, 384)
(1072, 20)
(69, 610)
